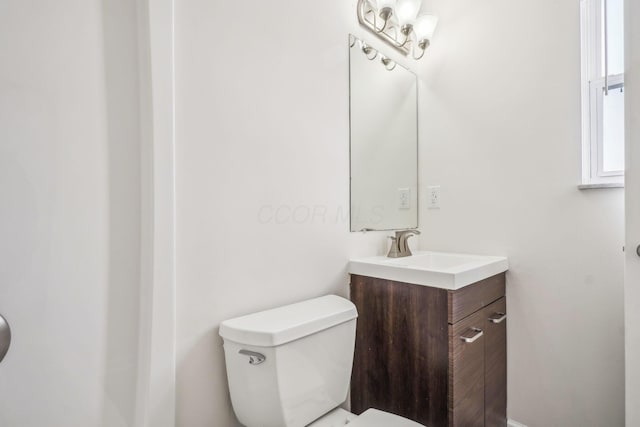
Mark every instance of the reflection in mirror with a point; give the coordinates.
(384, 141)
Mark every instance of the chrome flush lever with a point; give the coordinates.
(254, 358)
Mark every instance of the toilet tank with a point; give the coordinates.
(308, 354)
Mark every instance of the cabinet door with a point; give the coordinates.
(496, 364)
(400, 363)
(466, 371)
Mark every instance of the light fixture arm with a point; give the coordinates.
(385, 14)
(422, 45)
(406, 30)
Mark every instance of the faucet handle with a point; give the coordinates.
(403, 244)
(409, 232)
(399, 247)
(394, 250)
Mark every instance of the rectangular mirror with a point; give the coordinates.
(384, 141)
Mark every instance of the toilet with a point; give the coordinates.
(291, 366)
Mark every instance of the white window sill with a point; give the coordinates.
(601, 185)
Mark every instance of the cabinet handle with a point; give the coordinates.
(498, 317)
(469, 340)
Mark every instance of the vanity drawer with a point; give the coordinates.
(468, 300)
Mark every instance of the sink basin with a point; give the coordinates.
(436, 269)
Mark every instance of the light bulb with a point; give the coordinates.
(425, 26)
(406, 11)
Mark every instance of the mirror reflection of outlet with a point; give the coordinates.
(404, 198)
(433, 197)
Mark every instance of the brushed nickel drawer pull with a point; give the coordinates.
(469, 340)
(498, 317)
(254, 358)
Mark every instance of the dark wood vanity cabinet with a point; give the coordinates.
(435, 356)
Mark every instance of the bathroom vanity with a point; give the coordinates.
(435, 354)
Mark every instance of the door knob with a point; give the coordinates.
(5, 337)
(638, 250)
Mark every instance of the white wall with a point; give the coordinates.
(262, 174)
(501, 134)
(69, 212)
(632, 273)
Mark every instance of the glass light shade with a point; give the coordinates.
(425, 26)
(381, 4)
(407, 10)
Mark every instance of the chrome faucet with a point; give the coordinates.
(399, 245)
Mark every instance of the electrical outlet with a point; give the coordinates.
(404, 198)
(433, 197)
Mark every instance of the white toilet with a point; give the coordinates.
(291, 366)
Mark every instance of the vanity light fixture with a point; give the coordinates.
(397, 23)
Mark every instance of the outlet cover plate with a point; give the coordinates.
(433, 197)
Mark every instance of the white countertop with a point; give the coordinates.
(436, 269)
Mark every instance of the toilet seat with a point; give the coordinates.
(375, 418)
(369, 418)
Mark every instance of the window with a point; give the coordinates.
(602, 110)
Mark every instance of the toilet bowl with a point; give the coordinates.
(291, 366)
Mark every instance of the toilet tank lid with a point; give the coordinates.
(281, 325)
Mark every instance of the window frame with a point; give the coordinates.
(592, 84)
